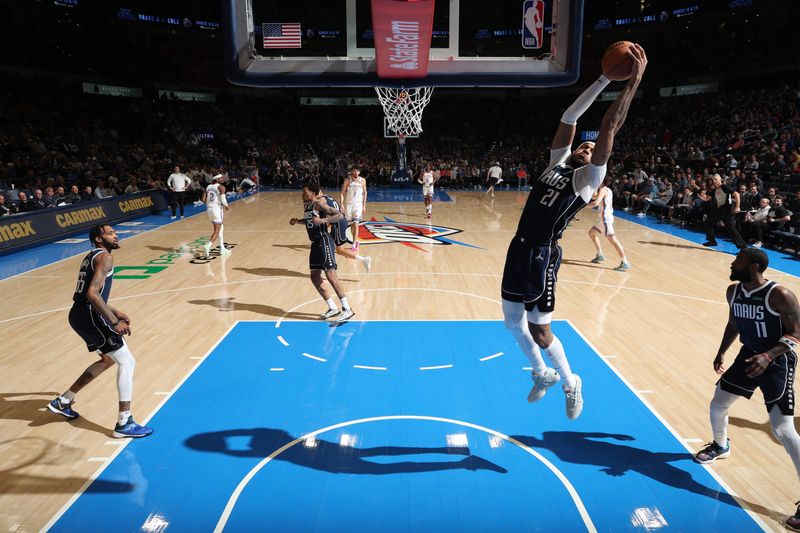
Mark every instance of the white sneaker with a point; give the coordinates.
(329, 314)
(541, 383)
(224, 251)
(346, 315)
(575, 400)
(207, 248)
(367, 261)
(172, 218)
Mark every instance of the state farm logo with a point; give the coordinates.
(409, 234)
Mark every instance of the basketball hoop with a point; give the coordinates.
(404, 107)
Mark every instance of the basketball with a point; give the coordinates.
(617, 64)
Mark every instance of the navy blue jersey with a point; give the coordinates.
(342, 224)
(85, 275)
(551, 204)
(759, 327)
(314, 232)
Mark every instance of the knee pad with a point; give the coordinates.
(123, 357)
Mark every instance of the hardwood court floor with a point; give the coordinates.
(660, 323)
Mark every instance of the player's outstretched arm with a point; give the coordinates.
(566, 129)
(618, 111)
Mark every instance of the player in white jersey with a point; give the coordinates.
(215, 200)
(354, 200)
(494, 176)
(605, 225)
(427, 179)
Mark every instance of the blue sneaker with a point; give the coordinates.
(131, 429)
(61, 408)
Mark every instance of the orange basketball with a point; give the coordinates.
(617, 64)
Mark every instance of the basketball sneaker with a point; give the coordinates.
(367, 262)
(599, 258)
(224, 251)
(623, 267)
(346, 315)
(712, 452)
(329, 314)
(61, 408)
(793, 522)
(207, 248)
(575, 400)
(541, 383)
(131, 429)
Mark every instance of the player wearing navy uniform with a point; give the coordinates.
(766, 318)
(316, 217)
(339, 232)
(534, 256)
(102, 328)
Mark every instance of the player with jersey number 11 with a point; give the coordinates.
(534, 256)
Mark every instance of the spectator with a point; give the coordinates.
(131, 187)
(23, 203)
(74, 195)
(4, 210)
(37, 202)
(50, 198)
(86, 195)
(101, 191)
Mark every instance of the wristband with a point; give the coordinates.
(789, 341)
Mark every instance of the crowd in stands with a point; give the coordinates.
(61, 146)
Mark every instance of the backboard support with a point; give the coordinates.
(273, 43)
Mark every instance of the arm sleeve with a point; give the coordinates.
(582, 103)
(587, 179)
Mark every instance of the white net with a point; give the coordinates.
(403, 107)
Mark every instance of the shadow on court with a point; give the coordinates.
(618, 459)
(683, 246)
(228, 304)
(588, 264)
(14, 407)
(38, 452)
(332, 457)
(281, 272)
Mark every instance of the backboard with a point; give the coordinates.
(474, 43)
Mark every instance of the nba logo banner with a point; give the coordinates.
(532, 23)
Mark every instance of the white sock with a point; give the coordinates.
(330, 303)
(345, 305)
(123, 417)
(67, 397)
(221, 238)
(624, 259)
(558, 359)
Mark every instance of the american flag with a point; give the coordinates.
(281, 34)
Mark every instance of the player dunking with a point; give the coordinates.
(354, 200)
(427, 179)
(215, 200)
(102, 328)
(534, 256)
(605, 226)
(339, 233)
(322, 257)
(766, 318)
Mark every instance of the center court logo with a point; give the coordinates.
(408, 234)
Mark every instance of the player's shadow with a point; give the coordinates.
(169, 250)
(13, 406)
(332, 457)
(587, 264)
(228, 304)
(295, 247)
(618, 459)
(281, 272)
(273, 272)
(684, 246)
